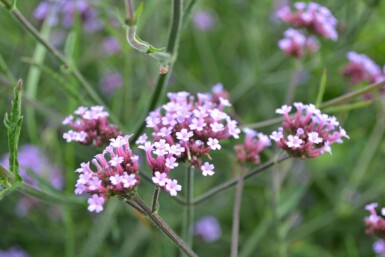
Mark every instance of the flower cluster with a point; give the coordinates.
(362, 69)
(308, 133)
(14, 252)
(375, 224)
(297, 44)
(254, 144)
(185, 129)
(116, 174)
(203, 20)
(312, 16)
(67, 10)
(208, 228)
(90, 126)
(33, 160)
(379, 247)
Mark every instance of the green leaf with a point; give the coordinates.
(7, 184)
(13, 124)
(321, 89)
(70, 48)
(138, 12)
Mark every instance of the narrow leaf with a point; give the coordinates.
(321, 89)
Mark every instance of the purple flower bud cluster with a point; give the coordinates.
(297, 44)
(375, 224)
(186, 129)
(66, 11)
(362, 69)
(311, 16)
(116, 174)
(308, 133)
(90, 126)
(253, 145)
(32, 159)
(208, 228)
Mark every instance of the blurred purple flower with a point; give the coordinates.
(111, 46)
(208, 229)
(379, 247)
(110, 82)
(203, 20)
(13, 252)
(32, 159)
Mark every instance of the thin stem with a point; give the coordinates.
(234, 181)
(188, 212)
(351, 95)
(172, 49)
(155, 197)
(332, 102)
(162, 225)
(130, 17)
(236, 214)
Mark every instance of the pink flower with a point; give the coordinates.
(95, 203)
(253, 145)
(308, 133)
(207, 169)
(160, 179)
(172, 187)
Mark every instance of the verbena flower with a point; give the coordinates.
(203, 20)
(186, 129)
(114, 172)
(253, 145)
(90, 126)
(297, 44)
(375, 224)
(208, 228)
(308, 133)
(111, 46)
(312, 16)
(65, 12)
(362, 69)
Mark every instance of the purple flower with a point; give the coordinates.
(297, 44)
(203, 20)
(208, 229)
(111, 46)
(110, 82)
(13, 252)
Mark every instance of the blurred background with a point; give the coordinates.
(306, 207)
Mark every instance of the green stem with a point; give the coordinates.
(332, 102)
(163, 226)
(69, 233)
(172, 49)
(188, 212)
(234, 181)
(236, 214)
(155, 202)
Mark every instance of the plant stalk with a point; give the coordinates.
(236, 215)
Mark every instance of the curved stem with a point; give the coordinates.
(162, 225)
(234, 181)
(236, 214)
(172, 44)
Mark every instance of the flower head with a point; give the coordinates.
(186, 129)
(90, 127)
(253, 145)
(116, 173)
(297, 44)
(311, 16)
(208, 228)
(308, 133)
